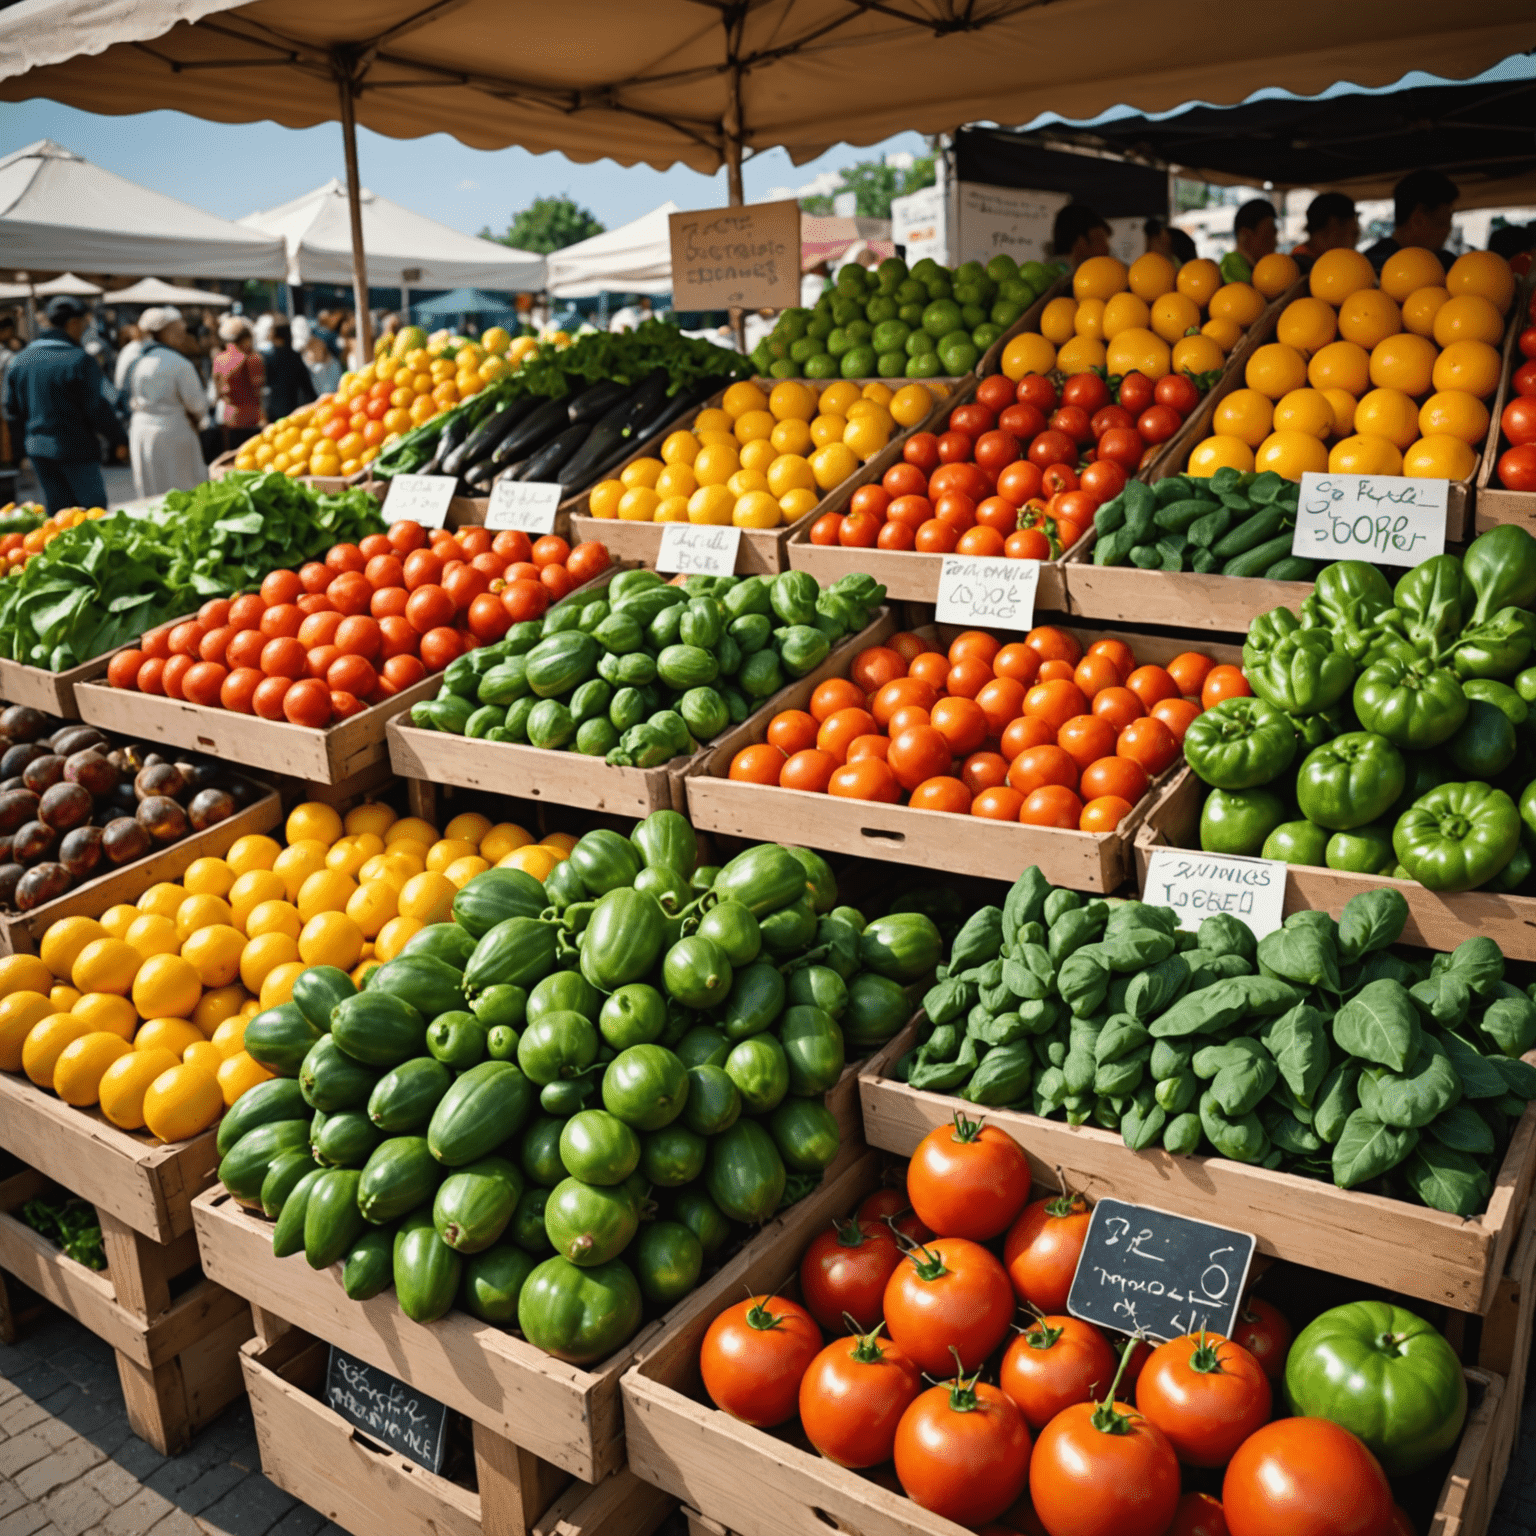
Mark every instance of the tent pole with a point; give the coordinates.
(733, 188)
(346, 85)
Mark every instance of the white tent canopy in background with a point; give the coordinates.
(151, 290)
(59, 210)
(635, 258)
(67, 282)
(404, 248)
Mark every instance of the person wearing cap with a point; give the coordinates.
(167, 404)
(57, 408)
(239, 376)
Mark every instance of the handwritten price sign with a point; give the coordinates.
(1199, 885)
(692, 549)
(1388, 519)
(526, 504)
(998, 593)
(420, 499)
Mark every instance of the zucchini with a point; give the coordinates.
(1256, 561)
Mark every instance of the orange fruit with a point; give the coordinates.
(1337, 274)
(1141, 351)
(1080, 355)
(1420, 308)
(1468, 317)
(1291, 454)
(1197, 354)
(1173, 315)
(1388, 413)
(1274, 273)
(1089, 319)
(1369, 316)
(1198, 280)
(1404, 362)
(1151, 276)
(1440, 458)
(1220, 453)
(1454, 413)
(1308, 325)
(1409, 270)
(1246, 415)
(1275, 370)
(1343, 404)
(1472, 366)
(1058, 322)
(1237, 302)
(1125, 312)
(1361, 455)
(1304, 410)
(1341, 365)
(1100, 277)
(1484, 273)
(1225, 333)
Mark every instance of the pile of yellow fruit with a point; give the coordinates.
(144, 1010)
(340, 434)
(1372, 380)
(1151, 317)
(762, 460)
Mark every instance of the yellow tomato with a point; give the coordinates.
(837, 397)
(711, 504)
(1274, 273)
(1275, 370)
(534, 859)
(1486, 274)
(741, 397)
(1058, 323)
(831, 465)
(1341, 365)
(1125, 312)
(1080, 355)
(1454, 413)
(1304, 410)
(642, 472)
(716, 464)
(1240, 303)
(182, 1102)
(753, 425)
(1291, 454)
(757, 509)
(502, 839)
(1026, 353)
(1199, 280)
(429, 897)
(604, 497)
(463, 870)
(680, 447)
(1141, 351)
(790, 400)
(237, 1074)
(792, 436)
(1469, 366)
(1088, 322)
(327, 890)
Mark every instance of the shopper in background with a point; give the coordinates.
(1422, 204)
(1079, 233)
(1165, 240)
(324, 370)
(288, 382)
(10, 345)
(166, 405)
(130, 342)
(238, 376)
(1332, 225)
(56, 404)
(324, 326)
(1254, 230)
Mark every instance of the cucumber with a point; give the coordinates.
(426, 1270)
(1205, 531)
(1292, 568)
(332, 1221)
(1177, 516)
(243, 1168)
(278, 1098)
(404, 1098)
(288, 1234)
(400, 1176)
(345, 1140)
(1250, 533)
(283, 1175)
(369, 1268)
(1259, 559)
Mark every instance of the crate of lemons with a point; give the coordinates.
(762, 458)
(142, 1012)
(342, 433)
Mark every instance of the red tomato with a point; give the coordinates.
(859, 531)
(754, 1355)
(1122, 446)
(1108, 417)
(1022, 420)
(1223, 682)
(439, 647)
(1178, 391)
(487, 619)
(956, 448)
(1052, 448)
(1037, 390)
(1072, 420)
(995, 392)
(895, 536)
(1517, 468)
(1206, 1394)
(1027, 544)
(1058, 478)
(1042, 1249)
(871, 498)
(1264, 1332)
(123, 669)
(968, 1179)
(1085, 1480)
(845, 1271)
(1523, 380)
(406, 536)
(1055, 1362)
(1305, 1474)
(1158, 423)
(344, 557)
(996, 450)
(428, 607)
(1076, 507)
(973, 419)
(512, 545)
(1518, 421)
(922, 450)
(853, 1396)
(283, 657)
(267, 697)
(967, 479)
(239, 689)
(1199, 1514)
(1103, 480)
(948, 1294)
(905, 479)
(308, 703)
(999, 513)
(351, 592)
(962, 1451)
(935, 538)
(1135, 392)
(825, 529)
(891, 1208)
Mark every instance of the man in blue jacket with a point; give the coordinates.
(56, 403)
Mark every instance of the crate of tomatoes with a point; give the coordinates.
(300, 676)
(971, 751)
(1506, 481)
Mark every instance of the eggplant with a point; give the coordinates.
(455, 430)
(479, 444)
(533, 431)
(478, 477)
(594, 403)
(547, 461)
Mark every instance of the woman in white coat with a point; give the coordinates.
(168, 403)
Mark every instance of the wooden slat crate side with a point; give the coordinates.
(1470, 1492)
(1507, 1336)
(51, 692)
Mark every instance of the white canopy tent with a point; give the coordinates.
(59, 210)
(405, 249)
(68, 283)
(635, 258)
(151, 290)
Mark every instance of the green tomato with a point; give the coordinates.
(579, 1315)
(1351, 780)
(1239, 821)
(1363, 850)
(1296, 842)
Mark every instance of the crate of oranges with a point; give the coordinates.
(971, 752)
(764, 456)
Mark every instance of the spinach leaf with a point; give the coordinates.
(1241, 1137)
(1510, 1022)
(1480, 1079)
(1447, 1180)
(1463, 1130)
(1303, 955)
(1412, 1099)
(1479, 962)
(1366, 1149)
(1379, 1024)
(1444, 999)
(1337, 1100)
(1371, 920)
(1298, 1041)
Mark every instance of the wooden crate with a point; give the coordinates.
(572, 778)
(177, 1349)
(992, 358)
(324, 484)
(735, 1480)
(21, 932)
(1504, 1346)
(1390, 1243)
(1436, 919)
(971, 845)
(1494, 504)
(763, 551)
(324, 756)
(562, 1414)
(51, 692)
(310, 1451)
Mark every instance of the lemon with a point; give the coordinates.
(182, 1102)
(641, 474)
(78, 1070)
(1089, 319)
(832, 465)
(273, 917)
(204, 1054)
(1388, 413)
(64, 997)
(228, 1035)
(123, 1085)
(253, 888)
(828, 428)
(370, 819)
(397, 933)
(501, 839)
(167, 1034)
(1409, 270)
(795, 504)
(443, 852)
(415, 828)
(680, 447)
(1026, 353)
(256, 851)
(347, 856)
(711, 504)
(18, 1014)
(534, 860)
(1058, 323)
(24, 973)
(298, 861)
(758, 509)
(741, 397)
(1151, 276)
(106, 965)
(753, 425)
(638, 505)
(715, 465)
(238, 1073)
(207, 877)
(790, 472)
(872, 410)
(263, 955)
(162, 899)
(604, 497)
(372, 905)
(217, 1006)
(1220, 453)
(327, 890)
(1362, 455)
(45, 1042)
(166, 986)
(1246, 415)
(561, 840)
(1199, 280)
(117, 920)
(277, 984)
(866, 437)
(214, 953)
(1304, 410)
(462, 871)
(428, 896)
(793, 436)
(677, 480)
(1440, 457)
(108, 1012)
(201, 912)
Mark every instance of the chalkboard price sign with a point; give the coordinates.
(1165, 1275)
(386, 1410)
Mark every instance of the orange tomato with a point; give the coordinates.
(1042, 765)
(283, 657)
(1053, 644)
(1104, 814)
(1052, 805)
(1148, 742)
(985, 542)
(807, 769)
(1119, 706)
(1022, 734)
(283, 621)
(968, 676)
(281, 587)
(550, 550)
(827, 528)
(866, 779)
(907, 645)
(872, 669)
(1096, 673)
(1223, 682)
(932, 667)
(998, 804)
(1002, 701)
(835, 694)
(1151, 685)
(791, 731)
(869, 746)
(1189, 669)
(935, 538)
(975, 642)
(907, 715)
(963, 723)
(1055, 702)
(1018, 661)
(1110, 775)
(984, 770)
(759, 764)
(439, 647)
(840, 728)
(1086, 738)
(941, 793)
(919, 752)
(1118, 652)
(1176, 714)
(1051, 671)
(903, 690)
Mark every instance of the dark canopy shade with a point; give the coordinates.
(1114, 188)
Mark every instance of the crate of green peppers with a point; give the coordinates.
(627, 681)
(1390, 735)
(1332, 1091)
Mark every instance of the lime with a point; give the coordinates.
(860, 330)
(807, 347)
(1035, 274)
(845, 309)
(784, 369)
(925, 269)
(891, 365)
(859, 362)
(1005, 312)
(1002, 267)
(820, 326)
(939, 288)
(985, 334)
(919, 341)
(968, 293)
(839, 342)
(778, 344)
(891, 273)
(762, 358)
(822, 366)
(941, 317)
(972, 315)
(923, 365)
(958, 353)
(1016, 291)
(911, 314)
(793, 323)
(912, 292)
(891, 335)
(968, 271)
(881, 307)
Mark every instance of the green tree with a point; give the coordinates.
(873, 184)
(548, 224)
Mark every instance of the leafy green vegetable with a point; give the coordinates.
(73, 1225)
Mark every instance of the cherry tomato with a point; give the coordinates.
(1037, 390)
(996, 449)
(1523, 380)
(1042, 1249)
(1518, 424)
(948, 1294)
(962, 1451)
(1264, 1332)
(1122, 446)
(1054, 1363)
(1223, 682)
(1023, 420)
(956, 448)
(891, 1207)
(844, 1273)
(1177, 390)
(853, 1396)
(1072, 420)
(1053, 448)
(1305, 1474)
(973, 419)
(1206, 1394)
(1019, 481)
(1136, 392)
(826, 528)
(1517, 468)
(1058, 478)
(968, 1179)
(1088, 391)
(1103, 480)
(1158, 423)
(754, 1355)
(995, 392)
(1108, 417)
(922, 450)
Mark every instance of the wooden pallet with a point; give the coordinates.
(310, 1451)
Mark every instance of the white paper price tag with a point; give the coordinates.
(698, 549)
(1199, 885)
(976, 590)
(1386, 519)
(526, 504)
(420, 499)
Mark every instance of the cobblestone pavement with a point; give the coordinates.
(70, 1466)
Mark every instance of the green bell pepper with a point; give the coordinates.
(1413, 703)
(1349, 781)
(1240, 744)
(1239, 821)
(1436, 602)
(1457, 837)
(802, 648)
(1508, 699)
(1500, 567)
(1347, 600)
(1294, 669)
(1498, 648)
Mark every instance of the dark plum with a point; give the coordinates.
(124, 840)
(65, 806)
(81, 852)
(17, 806)
(45, 882)
(159, 779)
(163, 818)
(33, 840)
(23, 723)
(210, 806)
(93, 772)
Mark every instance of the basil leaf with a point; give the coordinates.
(1288, 1133)
(1519, 1076)
(1379, 1024)
(1241, 1085)
(1156, 989)
(1241, 1138)
(1371, 920)
(1143, 1122)
(1445, 999)
(1480, 963)
(1366, 1149)
(1003, 1076)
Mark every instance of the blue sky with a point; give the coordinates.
(233, 170)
